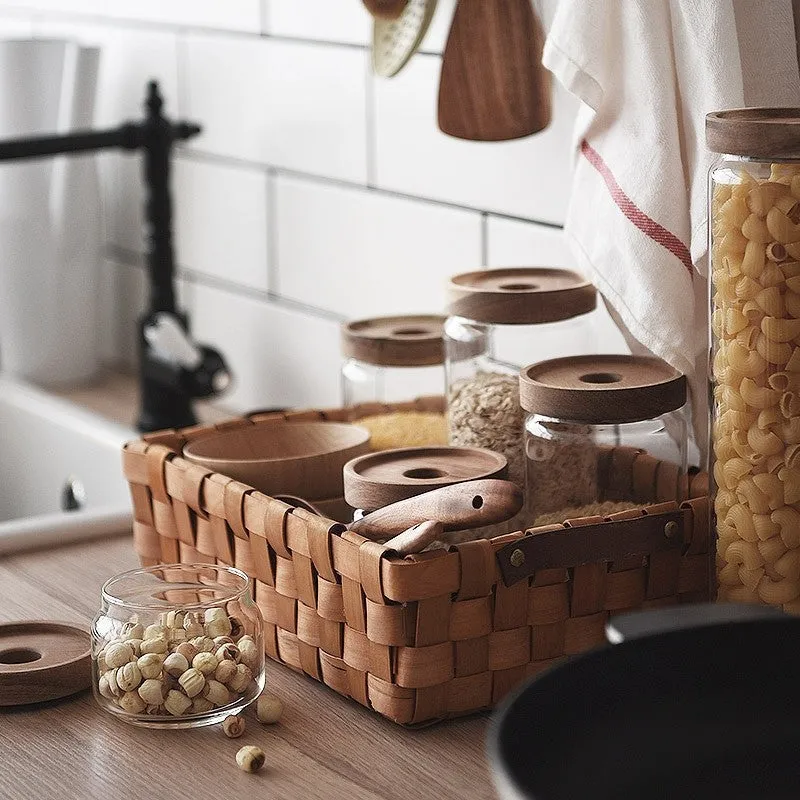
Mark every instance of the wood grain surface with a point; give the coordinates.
(324, 746)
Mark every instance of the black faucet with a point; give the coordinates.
(173, 369)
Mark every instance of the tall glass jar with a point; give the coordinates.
(579, 408)
(754, 244)
(498, 320)
(395, 360)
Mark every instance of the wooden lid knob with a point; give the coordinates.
(602, 389)
(758, 132)
(378, 479)
(407, 341)
(520, 295)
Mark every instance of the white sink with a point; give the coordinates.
(46, 445)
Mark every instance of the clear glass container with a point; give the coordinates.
(392, 359)
(177, 646)
(582, 406)
(754, 253)
(499, 320)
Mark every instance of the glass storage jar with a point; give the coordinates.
(499, 319)
(754, 243)
(392, 360)
(581, 406)
(177, 646)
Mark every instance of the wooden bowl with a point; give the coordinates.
(299, 458)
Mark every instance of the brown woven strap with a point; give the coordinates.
(593, 543)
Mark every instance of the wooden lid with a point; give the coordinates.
(601, 389)
(520, 295)
(408, 341)
(757, 132)
(378, 479)
(42, 660)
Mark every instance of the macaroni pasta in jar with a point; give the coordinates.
(754, 221)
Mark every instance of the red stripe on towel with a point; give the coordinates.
(658, 233)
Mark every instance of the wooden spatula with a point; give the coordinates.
(493, 85)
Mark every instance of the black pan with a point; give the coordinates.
(704, 712)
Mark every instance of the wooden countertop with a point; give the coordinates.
(324, 747)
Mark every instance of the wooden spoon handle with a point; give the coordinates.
(417, 537)
(472, 504)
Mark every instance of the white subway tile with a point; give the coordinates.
(290, 104)
(279, 357)
(324, 20)
(361, 253)
(221, 221)
(515, 243)
(238, 15)
(526, 178)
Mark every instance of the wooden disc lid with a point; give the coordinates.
(42, 660)
(378, 479)
(520, 295)
(756, 132)
(407, 341)
(602, 389)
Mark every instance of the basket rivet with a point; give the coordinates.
(671, 529)
(517, 558)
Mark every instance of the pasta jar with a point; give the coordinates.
(754, 240)
(579, 408)
(391, 360)
(498, 319)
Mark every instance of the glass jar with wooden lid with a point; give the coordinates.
(500, 319)
(393, 360)
(589, 415)
(754, 239)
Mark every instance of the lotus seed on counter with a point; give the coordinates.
(268, 709)
(187, 663)
(250, 758)
(233, 726)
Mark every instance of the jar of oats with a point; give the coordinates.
(754, 220)
(581, 407)
(500, 319)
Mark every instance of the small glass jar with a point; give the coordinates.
(177, 646)
(498, 319)
(754, 252)
(580, 406)
(395, 360)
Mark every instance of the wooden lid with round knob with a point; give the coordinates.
(520, 295)
(757, 132)
(406, 341)
(378, 479)
(602, 389)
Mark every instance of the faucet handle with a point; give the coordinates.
(171, 343)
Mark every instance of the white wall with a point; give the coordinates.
(317, 192)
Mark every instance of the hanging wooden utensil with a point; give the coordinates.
(385, 9)
(493, 85)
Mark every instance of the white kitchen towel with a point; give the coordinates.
(648, 71)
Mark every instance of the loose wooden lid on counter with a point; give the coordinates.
(378, 479)
(406, 341)
(41, 660)
(602, 389)
(520, 295)
(757, 132)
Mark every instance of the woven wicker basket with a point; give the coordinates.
(443, 633)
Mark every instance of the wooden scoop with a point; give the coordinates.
(459, 507)
(493, 85)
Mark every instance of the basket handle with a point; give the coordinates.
(611, 540)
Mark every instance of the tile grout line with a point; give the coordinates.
(370, 122)
(194, 154)
(130, 258)
(272, 265)
(485, 239)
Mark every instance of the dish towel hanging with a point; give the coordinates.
(647, 74)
